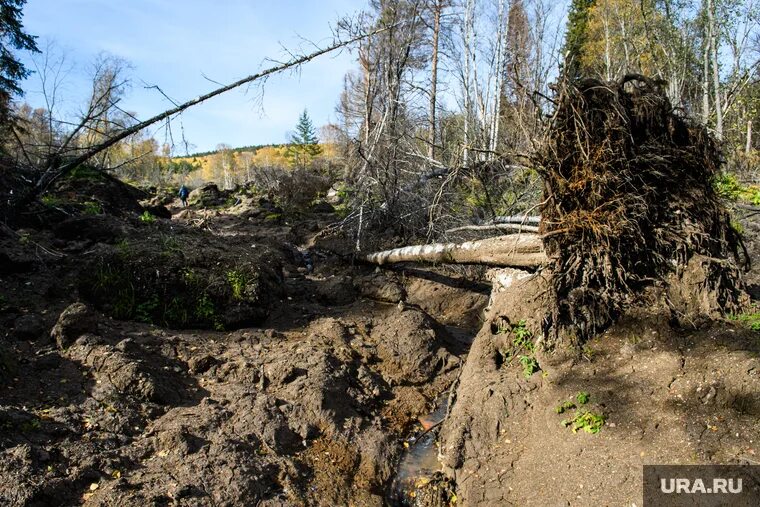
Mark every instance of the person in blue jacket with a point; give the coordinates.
(183, 193)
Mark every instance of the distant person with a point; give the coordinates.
(183, 193)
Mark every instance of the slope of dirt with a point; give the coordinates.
(666, 395)
(309, 408)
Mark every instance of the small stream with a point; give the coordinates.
(419, 462)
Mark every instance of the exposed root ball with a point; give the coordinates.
(629, 198)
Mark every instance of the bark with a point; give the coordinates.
(748, 147)
(518, 219)
(706, 84)
(716, 72)
(516, 250)
(501, 227)
(437, 8)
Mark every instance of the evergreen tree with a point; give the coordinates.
(576, 38)
(12, 37)
(304, 144)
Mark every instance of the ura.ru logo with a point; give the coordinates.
(687, 486)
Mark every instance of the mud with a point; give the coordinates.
(311, 407)
(111, 397)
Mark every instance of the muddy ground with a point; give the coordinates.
(313, 369)
(309, 407)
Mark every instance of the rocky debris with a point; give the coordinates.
(322, 207)
(177, 279)
(207, 195)
(76, 320)
(14, 257)
(129, 370)
(335, 290)
(88, 184)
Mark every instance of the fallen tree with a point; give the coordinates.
(61, 163)
(501, 227)
(628, 201)
(515, 250)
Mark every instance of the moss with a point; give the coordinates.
(84, 172)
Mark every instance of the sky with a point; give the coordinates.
(175, 43)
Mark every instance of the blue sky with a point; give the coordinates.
(174, 43)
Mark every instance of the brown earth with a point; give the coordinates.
(311, 406)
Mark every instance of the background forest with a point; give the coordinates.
(437, 124)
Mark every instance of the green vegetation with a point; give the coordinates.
(53, 201)
(145, 310)
(85, 172)
(750, 319)
(92, 208)
(582, 419)
(581, 398)
(587, 421)
(238, 282)
(304, 144)
(729, 187)
(529, 365)
(115, 285)
(521, 346)
(147, 217)
(12, 36)
(170, 245)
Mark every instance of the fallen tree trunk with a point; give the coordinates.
(518, 219)
(501, 227)
(516, 250)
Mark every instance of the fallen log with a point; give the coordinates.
(518, 219)
(515, 250)
(501, 227)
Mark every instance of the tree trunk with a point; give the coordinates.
(748, 147)
(716, 71)
(437, 8)
(516, 250)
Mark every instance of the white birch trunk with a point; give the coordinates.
(517, 250)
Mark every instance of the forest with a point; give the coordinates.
(518, 266)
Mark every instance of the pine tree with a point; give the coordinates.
(576, 37)
(12, 37)
(304, 144)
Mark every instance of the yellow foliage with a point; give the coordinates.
(617, 40)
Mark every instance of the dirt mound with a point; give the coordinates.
(628, 199)
(95, 191)
(535, 422)
(177, 279)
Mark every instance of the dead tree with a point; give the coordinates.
(58, 166)
(516, 250)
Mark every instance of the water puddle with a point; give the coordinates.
(419, 462)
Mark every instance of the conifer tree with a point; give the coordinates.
(576, 37)
(12, 37)
(304, 144)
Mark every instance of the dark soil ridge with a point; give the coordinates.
(307, 409)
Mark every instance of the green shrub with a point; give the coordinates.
(92, 208)
(587, 421)
(147, 217)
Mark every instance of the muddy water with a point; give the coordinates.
(419, 462)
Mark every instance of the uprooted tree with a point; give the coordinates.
(628, 201)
